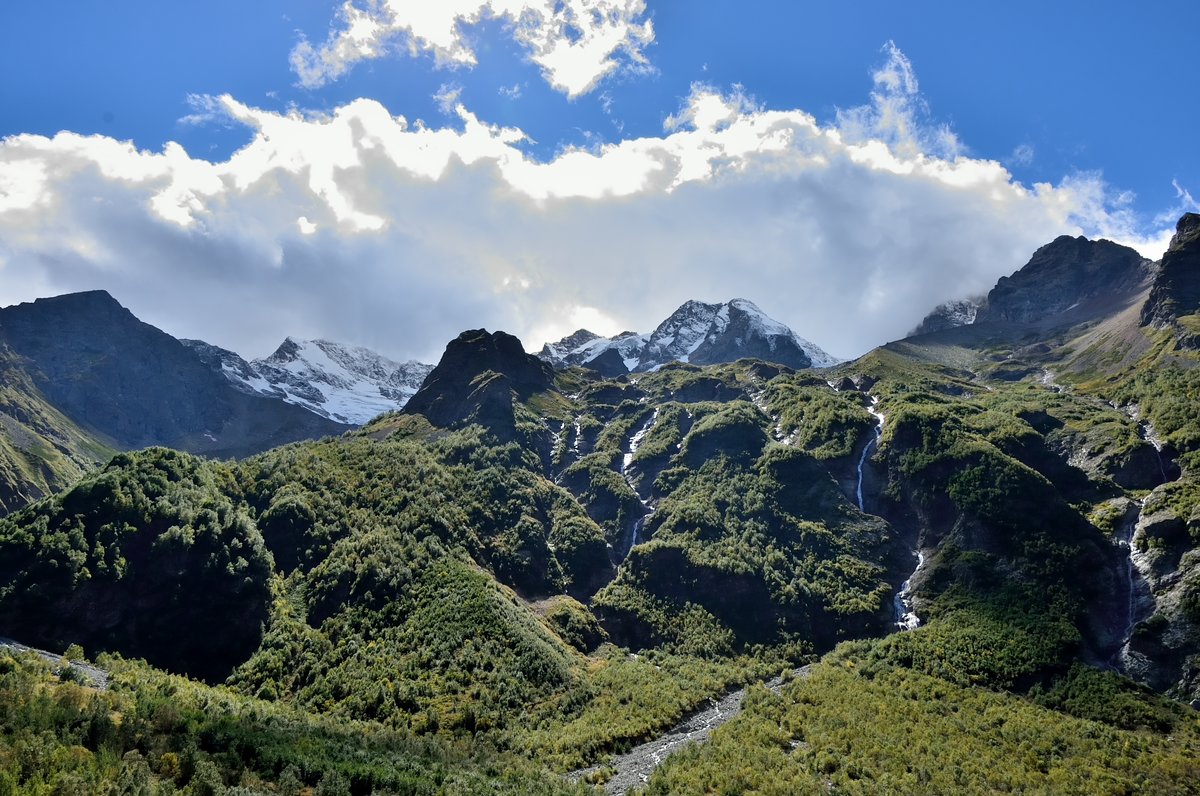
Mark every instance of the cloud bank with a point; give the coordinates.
(576, 43)
(361, 227)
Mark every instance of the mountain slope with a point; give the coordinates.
(696, 332)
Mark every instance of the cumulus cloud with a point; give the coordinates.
(360, 226)
(575, 42)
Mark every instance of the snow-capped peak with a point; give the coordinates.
(696, 332)
(349, 384)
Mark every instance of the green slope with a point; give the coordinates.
(41, 450)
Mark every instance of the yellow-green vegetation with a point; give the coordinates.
(892, 730)
(626, 698)
(150, 733)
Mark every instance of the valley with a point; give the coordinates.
(966, 562)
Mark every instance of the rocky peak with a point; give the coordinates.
(288, 351)
(555, 353)
(81, 310)
(679, 335)
(1067, 274)
(477, 380)
(1176, 289)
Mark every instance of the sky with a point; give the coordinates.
(388, 173)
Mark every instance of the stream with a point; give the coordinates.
(903, 613)
(1139, 604)
(633, 768)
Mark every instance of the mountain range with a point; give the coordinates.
(966, 562)
(85, 378)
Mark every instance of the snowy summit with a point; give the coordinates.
(345, 383)
(698, 333)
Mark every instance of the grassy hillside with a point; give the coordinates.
(41, 450)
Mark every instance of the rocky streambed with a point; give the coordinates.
(96, 678)
(633, 768)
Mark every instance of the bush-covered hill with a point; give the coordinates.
(552, 566)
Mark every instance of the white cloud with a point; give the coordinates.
(206, 109)
(360, 226)
(1022, 155)
(447, 97)
(575, 42)
(897, 114)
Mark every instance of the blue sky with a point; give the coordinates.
(1085, 98)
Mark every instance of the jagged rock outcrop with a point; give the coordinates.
(1067, 274)
(1176, 289)
(949, 315)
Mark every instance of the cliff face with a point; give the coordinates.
(1176, 289)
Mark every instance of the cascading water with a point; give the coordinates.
(868, 449)
(635, 528)
(578, 436)
(902, 608)
(1139, 603)
(904, 615)
(1147, 432)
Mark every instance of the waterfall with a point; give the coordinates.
(635, 441)
(868, 449)
(1134, 612)
(902, 608)
(1147, 432)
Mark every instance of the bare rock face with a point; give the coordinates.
(1176, 290)
(478, 379)
(1068, 274)
(950, 315)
